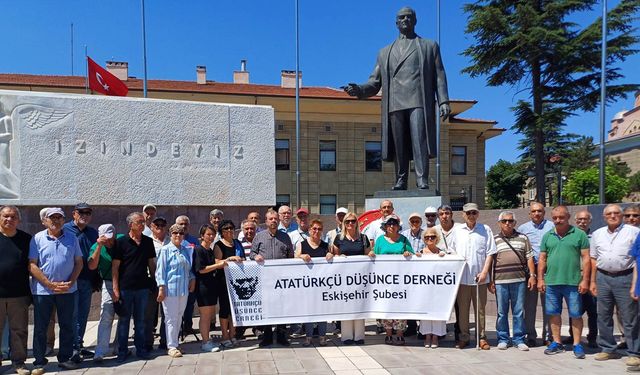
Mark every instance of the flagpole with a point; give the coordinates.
(603, 93)
(297, 108)
(72, 48)
(144, 54)
(437, 108)
(86, 70)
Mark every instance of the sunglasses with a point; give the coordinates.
(430, 215)
(431, 238)
(177, 233)
(471, 213)
(84, 213)
(632, 215)
(350, 221)
(507, 221)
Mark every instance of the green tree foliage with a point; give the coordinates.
(505, 181)
(619, 167)
(582, 187)
(533, 46)
(578, 156)
(634, 182)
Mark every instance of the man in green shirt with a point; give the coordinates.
(562, 250)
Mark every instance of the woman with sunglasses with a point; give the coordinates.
(207, 285)
(227, 249)
(314, 247)
(392, 242)
(351, 242)
(431, 329)
(175, 280)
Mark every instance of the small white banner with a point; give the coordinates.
(385, 287)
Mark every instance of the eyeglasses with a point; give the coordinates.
(582, 219)
(56, 217)
(85, 213)
(507, 221)
(430, 238)
(316, 229)
(430, 215)
(632, 215)
(177, 233)
(471, 213)
(415, 221)
(350, 221)
(393, 223)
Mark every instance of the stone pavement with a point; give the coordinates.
(373, 358)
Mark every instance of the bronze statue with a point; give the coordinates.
(411, 75)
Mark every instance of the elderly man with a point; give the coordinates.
(285, 215)
(255, 217)
(410, 74)
(473, 241)
(55, 262)
(534, 230)
(374, 229)
(563, 252)
(589, 305)
(215, 218)
(332, 234)
(414, 232)
(302, 232)
(87, 236)
(15, 296)
(612, 275)
(632, 215)
(185, 222)
(272, 244)
(159, 233)
(249, 228)
(100, 259)
(513, 274)
(134, 259)
(431, 214)
(149, 211)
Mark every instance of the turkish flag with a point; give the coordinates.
(102, 81)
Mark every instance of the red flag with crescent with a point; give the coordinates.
(100, 80)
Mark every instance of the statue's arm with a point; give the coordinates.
(442, 92)
(369, 88)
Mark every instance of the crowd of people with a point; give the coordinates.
(156, 271)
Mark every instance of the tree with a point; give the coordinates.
(582, 187)
(619, 167)
(505, 181)
(579, 155)
(634, 182)
(531, 45)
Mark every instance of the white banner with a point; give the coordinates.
(385, 287)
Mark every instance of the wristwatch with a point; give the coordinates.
(533, 275)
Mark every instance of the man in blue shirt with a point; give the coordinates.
(55, 262)
(87, 236)
(534, 230)
(187, 318)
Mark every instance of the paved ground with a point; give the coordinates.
(373, 358)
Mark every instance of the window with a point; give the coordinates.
(458, 160)
(373, 156)
(282, 200)
(327, 205)
(327, 155)
(282, 154)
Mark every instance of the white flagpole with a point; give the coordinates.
(144, 53)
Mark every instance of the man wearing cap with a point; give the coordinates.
(55, 262)
(473, 241)
(15, 296)
(414, 232)
(374, 229)
(284, 216)
(272, 244)
(134, 259)
(149, 211)
(332, 234)
(534, 230)
(159, 233)
(431, 214)
(100, 259)
(302, 231)
(87, 236)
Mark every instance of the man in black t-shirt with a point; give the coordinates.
(15, 294)
(134, 259)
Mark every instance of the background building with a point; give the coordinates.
(340, 141)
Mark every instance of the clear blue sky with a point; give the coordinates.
(338, 43)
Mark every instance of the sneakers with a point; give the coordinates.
(554, 348)
(38, 371)
(578, 351)
(210, 347)
(632, 361)
(523, 347)
(602, 356)
(235, 342)
(98, 359)
(84, 353)
(227, 344)
(21, 369)
(502, 346)
(68, 365)
(174, 353)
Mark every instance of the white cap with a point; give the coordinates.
(107, 230)
(342, 210)
(430, 210)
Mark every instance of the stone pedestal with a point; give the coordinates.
(405, 202)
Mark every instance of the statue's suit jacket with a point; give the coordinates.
(433, 85)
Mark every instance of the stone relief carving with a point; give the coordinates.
(33, 117)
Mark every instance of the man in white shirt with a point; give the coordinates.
(374, 230)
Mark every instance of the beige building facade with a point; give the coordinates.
(340, 141)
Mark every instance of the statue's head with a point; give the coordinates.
(406, 20)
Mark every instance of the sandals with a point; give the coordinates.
(484, 345)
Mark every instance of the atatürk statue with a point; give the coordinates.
(410, 73)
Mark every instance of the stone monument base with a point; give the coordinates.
(405, 202)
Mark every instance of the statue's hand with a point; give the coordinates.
(445, 111)
(352, 89)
